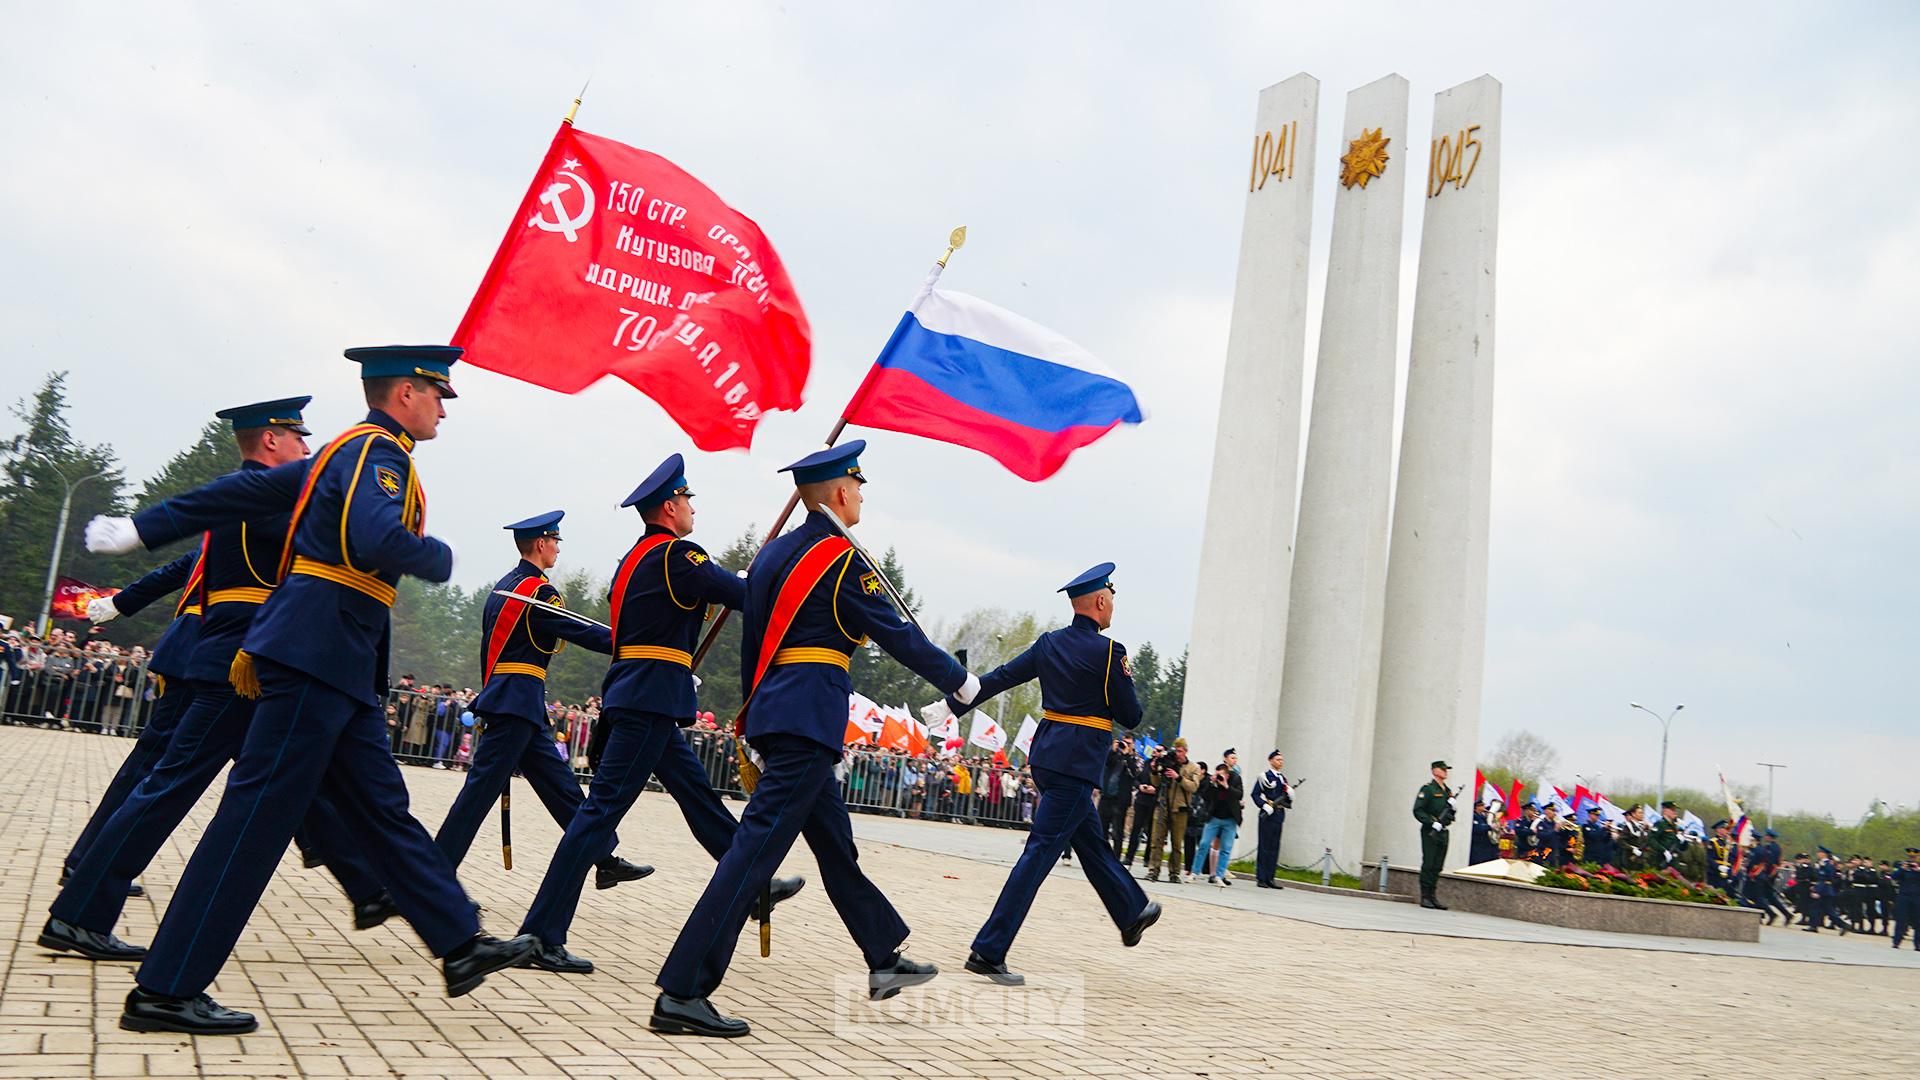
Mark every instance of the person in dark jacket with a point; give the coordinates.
(1146, 797)
(1484, 845)
(1597, 838)
(1223, 821)
(1118, 783)
(1273, 797)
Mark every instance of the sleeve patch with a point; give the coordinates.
(1126, 667)
(696, 557)
(388, 480)
(870, 584)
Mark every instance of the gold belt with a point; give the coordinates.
(357, 580)
(515, 667)
(813, 656)
(1100, 722)
(242, 595)
(655, 652)
(191, 609)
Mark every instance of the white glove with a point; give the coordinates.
(936, 714)
(453, 556)
(968, 689)
(696, 682)
(1267, 809)
(102, 609)
(112, 535)
(741, 573)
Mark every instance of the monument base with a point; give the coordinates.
(1577, 910)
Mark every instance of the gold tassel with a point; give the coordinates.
(246, 682)
(749, 772)
(159, 685)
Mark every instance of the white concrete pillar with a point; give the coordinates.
(1434, 637)
(1332, 674)
(1240, 610)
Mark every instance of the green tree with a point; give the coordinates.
(32, 464)
(436, 633)
(720, 692)
(575, 674)
(210, 456)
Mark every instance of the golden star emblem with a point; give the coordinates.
(1366, 158)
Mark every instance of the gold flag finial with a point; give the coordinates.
(575, 111)
(956, 240)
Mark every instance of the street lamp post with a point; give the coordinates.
(59, 535)
(1666, 728)
(1769, 766)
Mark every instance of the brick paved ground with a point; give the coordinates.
(1212, 991)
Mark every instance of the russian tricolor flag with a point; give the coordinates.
(961, 370)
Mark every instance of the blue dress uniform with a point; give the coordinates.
(229, 589)
(1086, 690)
(318, 652)
(1826, 877)
(1597, 840)
(659, 598)
(517, 640)
(169, 660)
(1271, 790)
(1906, 899)
(796, 720)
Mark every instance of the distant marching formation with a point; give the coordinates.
(277, 661)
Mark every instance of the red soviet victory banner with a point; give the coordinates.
(71, 595)
(621, 263)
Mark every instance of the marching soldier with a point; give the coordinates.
(811, 600)
(1665, 836)
(316, 655)
(1086, 688)
(1597, 839)
(516, 642)
(168, 663)
(1720, 856)
(659, 601)
(1826, 888)
(228, 590)
(1800, 890)
(1433, 809)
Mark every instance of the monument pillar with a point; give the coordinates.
(1332, 671)
(1240, 610)
(1434, 635)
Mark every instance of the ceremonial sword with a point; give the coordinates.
(555, 608)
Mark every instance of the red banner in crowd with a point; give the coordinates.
(620, 263)
(70, 597)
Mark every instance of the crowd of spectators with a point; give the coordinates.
(65, 682)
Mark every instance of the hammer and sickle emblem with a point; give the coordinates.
(564, 222)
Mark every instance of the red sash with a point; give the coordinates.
(191, 592)
(415, 502)
(504, 623)
(617, 596)
(786, 606)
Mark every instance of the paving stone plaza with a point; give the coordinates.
(1231, 982)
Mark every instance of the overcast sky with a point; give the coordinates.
(1705, 479)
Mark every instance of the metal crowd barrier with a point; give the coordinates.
(434, 731)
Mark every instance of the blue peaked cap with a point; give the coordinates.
(432, 362)
(834, 461)
(533, 528)
(1100, 577)
(284, 412)
(661, 484)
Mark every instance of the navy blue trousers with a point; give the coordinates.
(510, 744)
(639, 745)
(205, 739)
(1065, 818)
(147, 751)
(797, 796)
(306, 739)
(1266, 858)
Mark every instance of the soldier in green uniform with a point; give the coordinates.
(1666, 835)
(1433, 809)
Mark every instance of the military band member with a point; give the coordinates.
(1597, 840)
(1665, 836)
(811, 600)
(1086, 688)
(1433, 809)
(517, 640)
(1550, 840)
(317, 656)
(1272, 798)
(659, 600)
(1721, 856)
(1635, 845)
(168, 663)
(228, 590)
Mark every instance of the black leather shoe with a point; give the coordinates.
(693, 1016)
(889, 979)
(66, 937)
(372, 913)
(136, 889)
(469, 965)
(197, 1015)
(1148, 916)
(779, 888)
(979, 965)
(556, 958)
(615, 870)
(311, 859)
